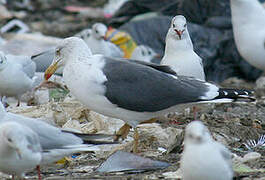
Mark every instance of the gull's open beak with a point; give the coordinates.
(51, 70)
(179, 33)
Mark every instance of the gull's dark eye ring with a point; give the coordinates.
(185, 25)
(173, 25)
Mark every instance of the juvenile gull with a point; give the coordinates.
(15, 78)
(249, 30)
(179, 53)
(144, 53)
(203, 158)
(133, 91)
(20, 149)
(55, 143)
(95, 39)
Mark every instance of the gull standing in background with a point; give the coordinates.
(203, 158)
(95, 39)
(133, 91)
(179, 54)
(16, 78)
(144, 53)
(20, 149)
(248, 20)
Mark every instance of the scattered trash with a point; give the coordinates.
(124, 161)
(253, 144)
(16, 26)
(122, 40)
(173, 175)
(88, 12)
(112, 6)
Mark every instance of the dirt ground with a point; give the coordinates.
(232, 124)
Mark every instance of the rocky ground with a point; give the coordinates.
(231, 124)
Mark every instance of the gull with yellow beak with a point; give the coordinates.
(133, 91)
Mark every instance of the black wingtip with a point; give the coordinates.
(236, 94)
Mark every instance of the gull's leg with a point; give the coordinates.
(195, 110)
(122, 132)
(38, 170)
(18, 101)
(149, 121)
(13, 177)
(4, 101)
(136, 140)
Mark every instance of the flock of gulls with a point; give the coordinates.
(133, 90)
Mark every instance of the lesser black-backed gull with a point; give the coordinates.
(133, 91)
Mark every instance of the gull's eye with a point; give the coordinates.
(1, 61)
(9, 140)
(173, 25)
(149, 52)
(58, 52)
(143, 53)
(185, 25)
(96, 31)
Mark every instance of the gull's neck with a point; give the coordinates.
(174, 45)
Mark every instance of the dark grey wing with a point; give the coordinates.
(162, 68)
(142, 88)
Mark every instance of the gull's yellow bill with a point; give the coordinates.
(51, 70)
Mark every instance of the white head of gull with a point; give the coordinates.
(95, 39)
(144, 53)
(179, 54)
(203, 158)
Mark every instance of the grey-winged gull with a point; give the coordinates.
(97, 43)
(55, 142)
(249, 30)
(133, 91)
(20, 149)
(144, 53)
(179, 53)
(16, 76)
(203, 158)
